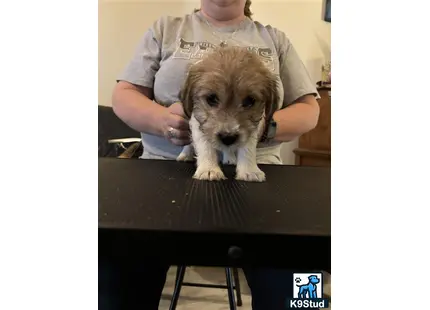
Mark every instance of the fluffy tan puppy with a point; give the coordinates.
(228, 96)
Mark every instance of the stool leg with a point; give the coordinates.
(180, 273)
(230, 288)
(237, 286)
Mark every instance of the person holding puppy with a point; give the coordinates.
(146, 98)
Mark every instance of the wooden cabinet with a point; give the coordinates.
(314, 147)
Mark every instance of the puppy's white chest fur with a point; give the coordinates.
(242, 155)
(229, 156)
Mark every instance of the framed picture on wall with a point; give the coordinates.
(327, 11)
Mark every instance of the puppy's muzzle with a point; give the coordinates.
(228, 138)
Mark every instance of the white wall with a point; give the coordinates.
(122, 23)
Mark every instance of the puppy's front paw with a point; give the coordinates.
(185, 157)
(187, 154)
(251, 175)
(209, 173)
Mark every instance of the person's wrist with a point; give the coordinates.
(162, 121)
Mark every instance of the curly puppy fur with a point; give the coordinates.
(228, 96)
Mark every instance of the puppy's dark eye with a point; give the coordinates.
(212, 100)
(248, 102)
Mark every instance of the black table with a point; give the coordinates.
(153, 208)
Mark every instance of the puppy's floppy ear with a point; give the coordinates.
(187, 91)
(272, 99)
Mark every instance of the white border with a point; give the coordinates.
(48, 195)
(380, 154)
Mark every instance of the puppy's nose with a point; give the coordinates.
(227, 138)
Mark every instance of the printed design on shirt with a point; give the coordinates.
(195, 50)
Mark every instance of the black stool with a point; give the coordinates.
(230, 273)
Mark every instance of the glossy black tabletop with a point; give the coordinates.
(159, 204)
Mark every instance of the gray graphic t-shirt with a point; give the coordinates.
(173, 43)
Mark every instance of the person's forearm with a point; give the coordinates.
(137, 110)
(295, 120)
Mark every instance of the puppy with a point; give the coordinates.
(228, 96)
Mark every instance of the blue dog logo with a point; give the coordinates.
(308, 290)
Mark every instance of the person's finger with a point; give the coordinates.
(173, 133)
(178, 122)
(180, 142)
(182, 134)
(177, 109)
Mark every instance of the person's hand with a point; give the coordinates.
(175, 125)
